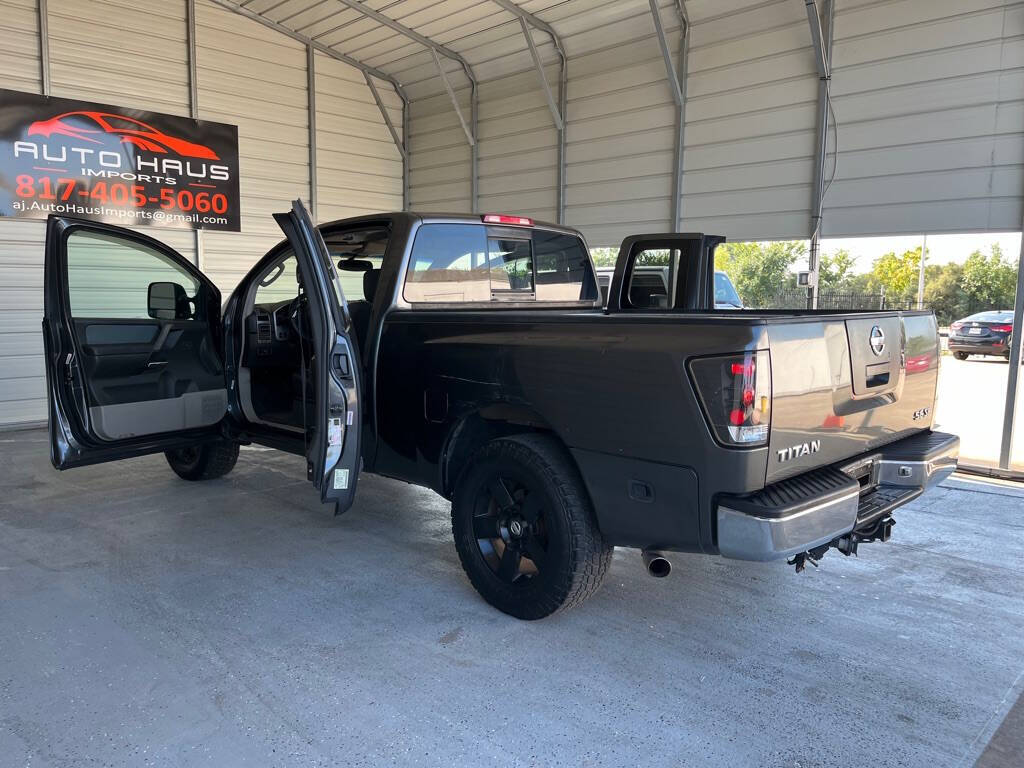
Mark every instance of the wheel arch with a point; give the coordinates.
(476, 428)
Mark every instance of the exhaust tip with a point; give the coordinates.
(657, 564)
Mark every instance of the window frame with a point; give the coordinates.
(198, 298)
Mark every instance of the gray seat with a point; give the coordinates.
(361, 309)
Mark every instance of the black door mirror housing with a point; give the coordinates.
(168, 301)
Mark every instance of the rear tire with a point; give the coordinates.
(525, 529)
(203, 462)
(960, 355)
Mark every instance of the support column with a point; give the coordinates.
(44, 46)
(677, 85)
(822, 42)
(1010, 408)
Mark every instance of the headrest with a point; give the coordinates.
(370, 280)
(355, 265)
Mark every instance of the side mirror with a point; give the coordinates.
(168, 301)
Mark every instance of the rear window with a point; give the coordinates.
(992, 317)
(463, 263)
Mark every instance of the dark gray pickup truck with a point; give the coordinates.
(473, 355)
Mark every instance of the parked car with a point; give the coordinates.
(472, 355)
(650, 287)
(983, 333)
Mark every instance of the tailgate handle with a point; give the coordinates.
(876, 375)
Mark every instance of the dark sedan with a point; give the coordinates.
(985, 333)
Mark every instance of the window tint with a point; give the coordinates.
(449, 264)
(109, 276)
(563, 267)
(511, 266)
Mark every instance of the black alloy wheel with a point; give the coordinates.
(525, 529)
(509, 526)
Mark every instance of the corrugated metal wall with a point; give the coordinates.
(249, 76)
(929, 98)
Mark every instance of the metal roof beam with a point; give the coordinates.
(412, 34)
(240, 9)
(666, 54)
(436, 50)
(539, 66)
(366, 69)
(451, 95)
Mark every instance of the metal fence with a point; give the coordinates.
(841, 300)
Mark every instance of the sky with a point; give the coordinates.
(942, 249)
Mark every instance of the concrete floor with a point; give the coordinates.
(149, 621)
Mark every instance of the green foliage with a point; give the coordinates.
(836, 272)
(760, 271)
(604, 257)
(990, 280)
(896, 275)
(982, 282)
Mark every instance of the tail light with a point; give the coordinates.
(1001, 328)
(500, 218)
(736, 395)
(956, 326)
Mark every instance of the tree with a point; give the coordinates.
(760, 271)
(604, 257)
(942, 292)
(896, 275)
(836, 271)
(989, 281)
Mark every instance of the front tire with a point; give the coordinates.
(203, 462)
(960, 355)
(525, 529)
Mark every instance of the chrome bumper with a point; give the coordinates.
(917, 463)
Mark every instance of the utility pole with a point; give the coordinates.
(920, 273)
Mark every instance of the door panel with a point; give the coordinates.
(334, 455)
(126, 374)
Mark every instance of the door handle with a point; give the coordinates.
(156, 363)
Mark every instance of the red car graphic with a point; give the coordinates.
(79, 125)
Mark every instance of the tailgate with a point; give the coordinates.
(846, 384)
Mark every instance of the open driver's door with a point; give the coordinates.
(333, 454)
(133, 345)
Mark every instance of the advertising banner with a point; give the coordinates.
(121, 166)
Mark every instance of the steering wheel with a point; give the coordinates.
(297, 309)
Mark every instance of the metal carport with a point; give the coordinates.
(612, 116)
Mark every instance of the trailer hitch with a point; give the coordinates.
(877, 530)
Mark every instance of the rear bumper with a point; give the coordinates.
(807, 511)
(987, 346)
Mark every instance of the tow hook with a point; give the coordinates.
(880, 530)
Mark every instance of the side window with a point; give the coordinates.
(563, 268)
(280, 284)
(652, 279)
(111, 277)
(449, 264)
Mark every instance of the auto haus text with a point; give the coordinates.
(156, 170)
